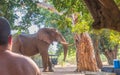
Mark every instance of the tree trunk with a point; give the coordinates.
(105, 13)
(98, 59)
(97, 52)
(85, 53)
(84, 50)
(111, 55)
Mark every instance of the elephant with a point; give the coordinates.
(39, 42)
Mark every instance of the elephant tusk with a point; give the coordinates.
(64, 43)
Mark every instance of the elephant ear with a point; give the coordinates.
(44, 34)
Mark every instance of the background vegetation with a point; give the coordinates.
(24, 13)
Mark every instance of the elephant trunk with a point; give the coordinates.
(65, 46)
(65, 51)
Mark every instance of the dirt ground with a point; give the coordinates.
(70, 70)
(58, 70)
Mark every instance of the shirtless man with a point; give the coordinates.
(11, 63)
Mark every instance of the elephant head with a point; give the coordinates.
(49, 35)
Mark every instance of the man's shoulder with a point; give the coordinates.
(24, 59)
(21, 57)
(21, 61)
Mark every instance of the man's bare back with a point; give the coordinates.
(21, 66)
(11, 63)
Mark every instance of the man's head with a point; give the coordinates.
(4, 31)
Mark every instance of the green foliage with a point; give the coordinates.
(69, 6)
(118, 54)
(81, 27)
(103, 58)
(64, 23)
(57, 21)
(71, 57)
(106, 44)
(27, 10)
(83, 24)
(118, 3)
(115, 36)
(108, 39)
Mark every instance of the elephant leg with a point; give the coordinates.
(45, 62)
(50, 65)
(47, 66)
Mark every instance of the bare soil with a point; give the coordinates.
(70, 70)
(58, 70)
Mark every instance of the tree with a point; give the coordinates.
(109, 44)
(98, 11)
(21, 11)
(86, 60)
(102, 14)
(95, 39)
(80, 26)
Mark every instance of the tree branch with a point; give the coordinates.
(48, 7)
(105, 14)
